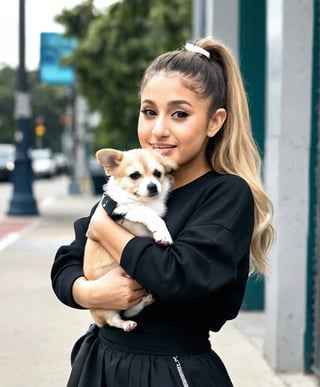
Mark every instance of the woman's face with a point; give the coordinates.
(174, 121)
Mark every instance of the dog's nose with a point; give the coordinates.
(152, 189)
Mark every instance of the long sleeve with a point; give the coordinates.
(203, 273)
(211, 222)
(68, 263)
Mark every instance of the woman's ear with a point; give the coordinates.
(216, 122)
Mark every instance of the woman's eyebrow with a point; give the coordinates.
(170, 103)
(179, 102)
(148, 101)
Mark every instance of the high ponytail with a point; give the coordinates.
(235, 152)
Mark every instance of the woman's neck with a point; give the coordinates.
(185, 175)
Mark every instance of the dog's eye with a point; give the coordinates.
(135, 175)
(156, 173)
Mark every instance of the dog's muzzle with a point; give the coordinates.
(152, 189)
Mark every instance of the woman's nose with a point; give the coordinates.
(160, 128)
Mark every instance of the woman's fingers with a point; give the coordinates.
(118, 290)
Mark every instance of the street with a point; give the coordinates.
(43, 190)
(38, 331)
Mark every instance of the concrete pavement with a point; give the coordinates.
(37, 331)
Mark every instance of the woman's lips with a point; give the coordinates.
(164, 149)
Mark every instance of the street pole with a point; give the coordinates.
(22, 201)
(80, 175)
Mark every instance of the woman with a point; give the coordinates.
(194, 110)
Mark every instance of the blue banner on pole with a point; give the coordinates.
(53, 48)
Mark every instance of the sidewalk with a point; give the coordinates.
(37, 331)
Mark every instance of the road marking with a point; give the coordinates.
(24, 227)
(8, 240)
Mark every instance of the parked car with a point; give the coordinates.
(7, 155)
(62, 163)
(43, 163)
(98, 176)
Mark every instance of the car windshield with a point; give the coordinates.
(41, 154)
(6, 153)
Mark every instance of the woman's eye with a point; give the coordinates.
(148, 112)
(180, 114)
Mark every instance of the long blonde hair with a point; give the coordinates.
(233, 149)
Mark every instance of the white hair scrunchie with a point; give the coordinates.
(197, 49)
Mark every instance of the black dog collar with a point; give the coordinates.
(110, 205)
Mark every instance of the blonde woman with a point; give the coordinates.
(193, 110)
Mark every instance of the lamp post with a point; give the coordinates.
(22, 201)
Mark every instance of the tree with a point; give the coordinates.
(7, 122)
(47, 101)
(114, 50)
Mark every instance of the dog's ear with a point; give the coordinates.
(169, 165)
(110, 159)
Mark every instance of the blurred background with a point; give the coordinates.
(69, 76)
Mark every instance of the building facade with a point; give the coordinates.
(277, 45)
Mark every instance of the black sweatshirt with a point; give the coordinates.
(199, 281)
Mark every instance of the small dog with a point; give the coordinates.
(136, 193)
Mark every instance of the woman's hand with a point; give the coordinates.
(108, 233)
(98, 220)
(114, 290)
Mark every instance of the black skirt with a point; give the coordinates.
(109, 357)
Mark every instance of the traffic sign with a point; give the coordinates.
(53, 48)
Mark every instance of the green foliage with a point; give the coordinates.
(78, 21)
(114, 50)
(46, 101)
(7, 122)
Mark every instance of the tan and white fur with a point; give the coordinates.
(139, 182)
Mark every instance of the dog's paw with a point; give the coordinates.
(162, 238)
(136, 309)
(148, 299)
(129, 326)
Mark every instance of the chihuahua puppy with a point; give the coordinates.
(134, 196)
